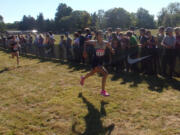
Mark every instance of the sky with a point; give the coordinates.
(13, 10)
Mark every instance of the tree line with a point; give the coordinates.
(67, 19)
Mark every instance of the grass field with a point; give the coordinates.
(44, 98)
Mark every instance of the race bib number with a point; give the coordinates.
(15, 47)
(100, 52)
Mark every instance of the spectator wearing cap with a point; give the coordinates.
(169, 56)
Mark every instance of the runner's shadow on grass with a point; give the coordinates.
(154, 83)
(4, 70)
(76, 67)
(93, 121)
(8, 69)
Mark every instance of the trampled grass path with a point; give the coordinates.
(45, 98)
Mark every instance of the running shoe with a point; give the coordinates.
(104, 93)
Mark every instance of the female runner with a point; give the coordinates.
(98, 58)
(14, 48)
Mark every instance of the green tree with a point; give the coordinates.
(67, 24)
(27, 23)
(161, 16)
(144, 19)
(40, 23)
(13, 26)
(62, 11)
(133, 19)
(117, 17)
(2, 25)
(101, 22)
(77, 20)
(94, 21)
(170, 15)
(1, 18)
(49, 25)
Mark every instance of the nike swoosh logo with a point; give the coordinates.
(133, 61)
